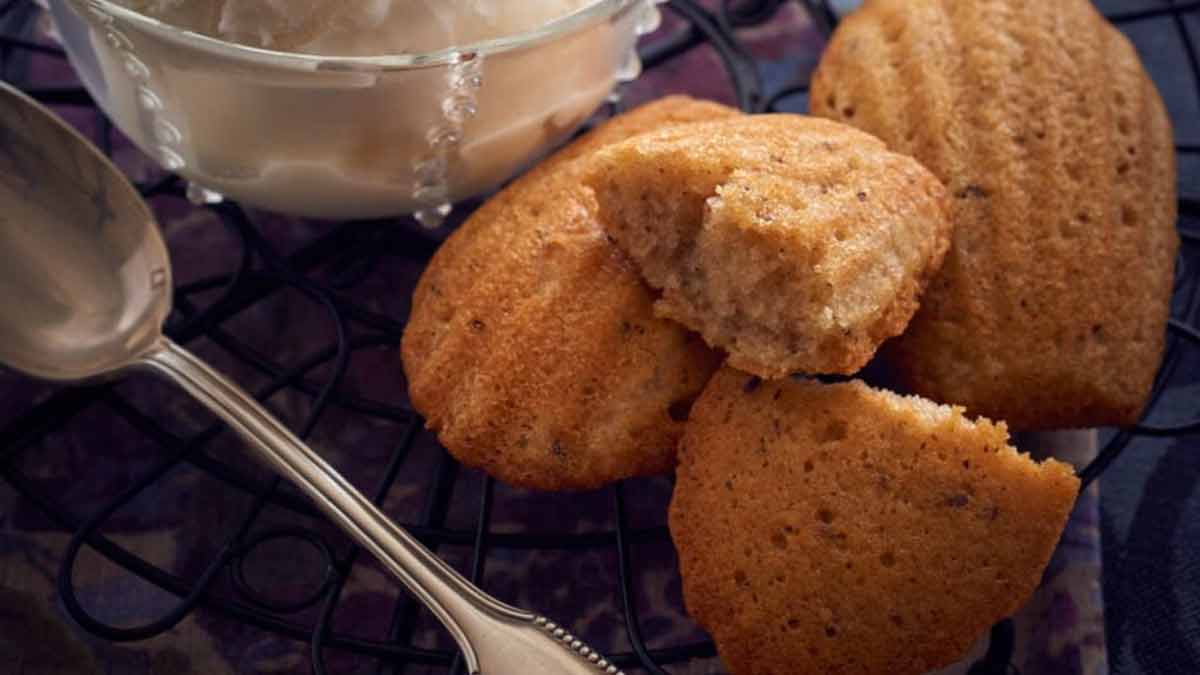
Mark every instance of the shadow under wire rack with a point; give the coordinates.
(332, 270)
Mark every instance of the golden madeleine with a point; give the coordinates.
(533, 350)
(1050, 311)
(840, 529)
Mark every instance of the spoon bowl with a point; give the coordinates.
(85, 284)
(85, 281)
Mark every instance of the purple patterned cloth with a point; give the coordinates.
(180, 521)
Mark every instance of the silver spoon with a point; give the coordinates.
(85, 285)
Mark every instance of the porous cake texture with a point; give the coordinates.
(793, 243)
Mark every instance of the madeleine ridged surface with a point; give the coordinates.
(841, 530)
(1050, 311)
(533, 349)
(793, 243)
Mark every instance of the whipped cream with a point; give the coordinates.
(356, 27)
(348, 142)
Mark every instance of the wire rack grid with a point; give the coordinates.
(328, 270)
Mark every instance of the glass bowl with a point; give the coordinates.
(349, 137)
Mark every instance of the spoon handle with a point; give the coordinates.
(501, 638)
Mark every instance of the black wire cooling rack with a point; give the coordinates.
(327, 270)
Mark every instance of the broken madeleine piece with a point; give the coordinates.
(835, 528)
(793, 243)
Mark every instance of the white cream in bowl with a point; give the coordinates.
(352, 108)
(357, 27)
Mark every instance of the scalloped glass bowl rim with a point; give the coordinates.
(584, 17)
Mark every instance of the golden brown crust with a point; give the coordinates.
(837, 529)
(791, 242)
(533, 349)
(1051, 308)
